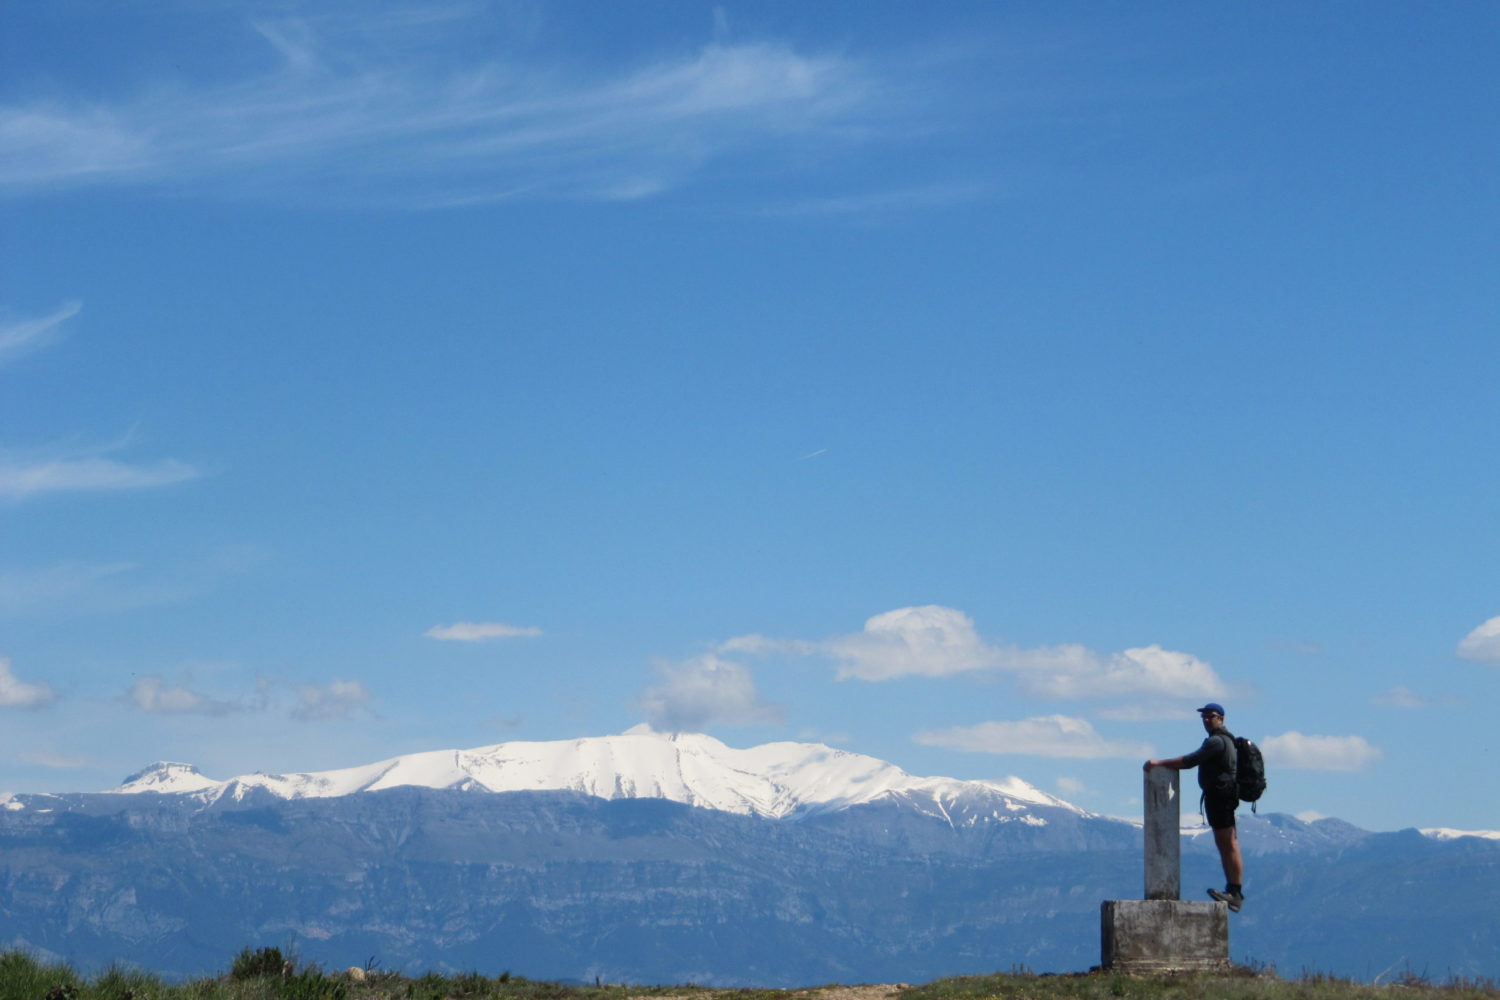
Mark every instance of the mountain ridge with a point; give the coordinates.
(773, 780)
(778, 780)
(837, 867)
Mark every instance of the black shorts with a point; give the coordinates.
(1220, 811)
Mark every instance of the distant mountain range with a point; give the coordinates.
(648, 857)
(776, 780)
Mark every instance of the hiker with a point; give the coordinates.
(1216, 763)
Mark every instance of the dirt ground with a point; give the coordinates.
(867, 992)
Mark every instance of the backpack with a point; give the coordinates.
(1250, 771)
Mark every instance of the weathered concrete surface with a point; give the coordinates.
(1163, 837)
(1160, 935)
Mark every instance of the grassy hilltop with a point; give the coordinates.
(267, 975)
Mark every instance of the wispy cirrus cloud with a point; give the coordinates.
(21, 480)
(18, 337)
(76, 586)
(1402, 696)
(58, 761)
(481, 631)
(343, 112)
(29, 474)
(1042, 736)
(23, 591)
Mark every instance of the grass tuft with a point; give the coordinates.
(258, 964)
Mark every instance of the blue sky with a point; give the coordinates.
(980, 390)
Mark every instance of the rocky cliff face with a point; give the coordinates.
(561, 884)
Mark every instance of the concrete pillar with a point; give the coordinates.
(1161, 935)
(1163, 834)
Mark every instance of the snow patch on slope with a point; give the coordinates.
(168, 777)
(1444, 833)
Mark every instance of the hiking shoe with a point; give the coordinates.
(1233, 899)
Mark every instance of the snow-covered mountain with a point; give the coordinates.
(1444, 833)
(775, 780)
(647, 857)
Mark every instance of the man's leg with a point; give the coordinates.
(1227, 840)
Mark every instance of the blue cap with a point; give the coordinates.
(1213, 707)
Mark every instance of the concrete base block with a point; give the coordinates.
(1164, 935)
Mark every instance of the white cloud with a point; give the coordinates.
(928, 641)
(1320, 753)
(1044, 736)
(21, 479)
(1482, 644)
(936, 641)
(339, 699)
(20, 336)
(16, 693)
(1070, 786)
(1149, 670)
(369, 114)
(1310, 816)
(480, 631)
(154, 695)
(706, 689)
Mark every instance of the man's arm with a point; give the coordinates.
(1185, 762)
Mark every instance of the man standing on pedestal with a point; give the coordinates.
(1216, 761)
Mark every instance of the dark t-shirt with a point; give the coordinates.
(1216, 761)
